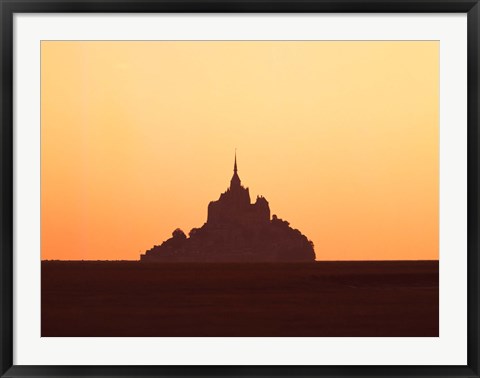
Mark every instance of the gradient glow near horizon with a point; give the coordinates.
(340, 137)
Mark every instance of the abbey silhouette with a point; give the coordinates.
(236, 231)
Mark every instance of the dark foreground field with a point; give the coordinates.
(188, 299)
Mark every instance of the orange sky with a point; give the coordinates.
(340, 137)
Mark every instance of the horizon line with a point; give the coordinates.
(259, 262)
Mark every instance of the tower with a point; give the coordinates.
(235, 181)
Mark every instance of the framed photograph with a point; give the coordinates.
(237, 188)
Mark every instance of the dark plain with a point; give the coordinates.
(321, 299)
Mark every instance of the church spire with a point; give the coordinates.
(235, 165)
(235, 181)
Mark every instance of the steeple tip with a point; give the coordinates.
(235, 181)
(235, 164)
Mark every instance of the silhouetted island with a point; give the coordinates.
(236, 231)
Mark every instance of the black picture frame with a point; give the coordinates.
(9, 7)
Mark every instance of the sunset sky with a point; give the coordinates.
(340, 137)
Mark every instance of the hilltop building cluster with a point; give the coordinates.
(236, 231)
